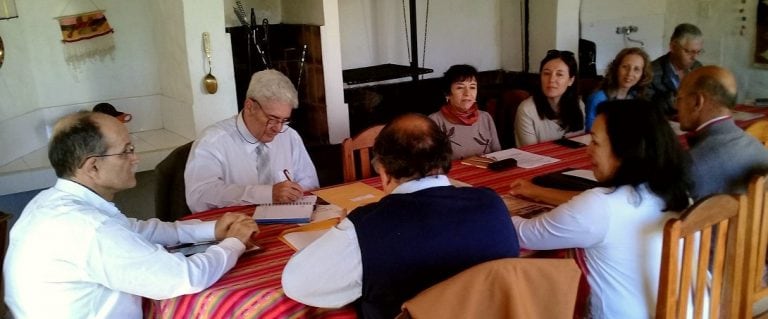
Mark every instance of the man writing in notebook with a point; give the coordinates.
(724, 157)
(422, 232)
(73, 254)
(242, 160)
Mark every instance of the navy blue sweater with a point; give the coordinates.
(409, 242)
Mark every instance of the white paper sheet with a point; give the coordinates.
(524, 159)
(583, 173)
(583, 139)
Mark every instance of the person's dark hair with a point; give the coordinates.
(685, 31)
(710, 85)
(75, 137)
(570, 116)
(413, 146)
(611, 81)
(457, 73)
(647, 149)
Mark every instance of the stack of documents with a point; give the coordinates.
(524, 159)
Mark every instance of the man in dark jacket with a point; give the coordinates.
(670, 69)
(724, 157)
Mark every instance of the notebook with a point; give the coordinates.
(524, 208)
(521, 159)
(286, 213)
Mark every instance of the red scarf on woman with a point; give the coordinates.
(457, 116)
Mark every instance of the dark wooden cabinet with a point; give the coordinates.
(282, 49)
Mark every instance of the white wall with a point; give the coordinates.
(207, 16)
(372, 33)
(599, 20)
(303, 12)
(37, 85)
(337, 111)
(511, 36)
(720, 22)
(35, 74)
(155, 71)
(554, 24)
(262, 9)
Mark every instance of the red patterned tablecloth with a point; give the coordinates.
(252, 288)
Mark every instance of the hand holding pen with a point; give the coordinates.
(286, 191)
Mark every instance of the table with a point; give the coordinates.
(252, 288)
(751, 109)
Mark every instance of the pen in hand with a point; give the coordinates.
(287, 175)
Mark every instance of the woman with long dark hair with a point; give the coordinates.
(640, 165)
(555, 109)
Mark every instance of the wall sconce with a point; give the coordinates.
(8, 9)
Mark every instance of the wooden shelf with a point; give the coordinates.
(381, 72)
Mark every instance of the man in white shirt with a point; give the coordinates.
(253, 157)
(73, 254)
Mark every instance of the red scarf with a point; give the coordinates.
(457, 116)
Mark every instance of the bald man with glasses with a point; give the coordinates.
(73, 254)
(255, 157)
(685, 45)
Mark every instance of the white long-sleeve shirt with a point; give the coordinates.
(329, 272)
(222, 167)
(73, 254)
(621, 232)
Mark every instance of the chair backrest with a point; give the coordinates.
(505, 114)
(694, 248)
(362, 143)
(502, 288)
(754, 265)
(759, 130)
(170, 197)
(4, 218)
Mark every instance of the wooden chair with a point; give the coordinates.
(502, 288)
(688, 271)
(362, 143)
(759, 130)
(754, 293)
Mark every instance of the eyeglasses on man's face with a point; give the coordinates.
(691, 52)
(272, 120)
(127, 152)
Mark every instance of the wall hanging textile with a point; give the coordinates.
(85, 36)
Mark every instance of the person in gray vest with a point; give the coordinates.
(723, 156)
(424, 231)
(668, 70)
